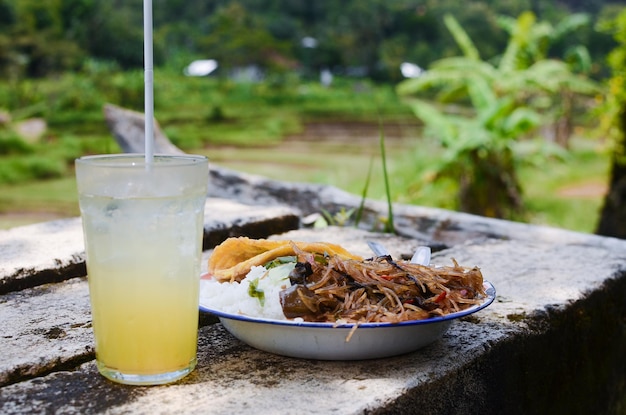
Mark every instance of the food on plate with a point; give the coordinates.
(233, 258)
(314, 285)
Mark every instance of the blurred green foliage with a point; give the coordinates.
(62, 60)
(193, 112)
(506, 101)
(372, 37)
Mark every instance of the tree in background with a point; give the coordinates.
(497, 104)
(613, 216)
(238, 38)
(9, 61)
(533, 42)
(41, 38)
(37, 43)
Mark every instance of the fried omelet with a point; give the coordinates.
(233, 258)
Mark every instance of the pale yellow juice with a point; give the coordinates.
(143, 265)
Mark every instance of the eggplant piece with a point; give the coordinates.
(298, 274)
(299, 301)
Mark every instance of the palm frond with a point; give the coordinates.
(579, 59)
(570, 24)
(450, 75)
(507, 23)
(461, 37)
(438, 123)
(520, 121)
(520, 34)
(464, 66)
(552, 75)
(481, 94)
(491, 117)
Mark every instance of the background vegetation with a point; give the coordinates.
(61, 60)
(364, 37)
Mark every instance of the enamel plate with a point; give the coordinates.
(329, 341)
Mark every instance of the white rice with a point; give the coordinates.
(234, 297)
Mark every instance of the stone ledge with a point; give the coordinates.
(570, 361)
(48, 327)
(556, 328)
(438, 227)
(45, 329)
(41, 253)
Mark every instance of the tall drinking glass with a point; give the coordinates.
(143, 227)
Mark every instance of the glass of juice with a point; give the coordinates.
(143, 227)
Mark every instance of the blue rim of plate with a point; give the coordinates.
(490, 296)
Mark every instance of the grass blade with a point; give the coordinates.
(389, 226)
(359, 212)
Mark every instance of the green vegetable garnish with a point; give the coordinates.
(254, 292)
(280, 261)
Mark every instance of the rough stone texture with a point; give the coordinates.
(438, 228)
(37, 254)
(45, 329)
(554, 328)
(225, 218)
(234, 378)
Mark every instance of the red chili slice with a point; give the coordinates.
(440, 297)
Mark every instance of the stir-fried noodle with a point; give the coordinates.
(331, 288)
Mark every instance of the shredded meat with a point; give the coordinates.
(334, 288)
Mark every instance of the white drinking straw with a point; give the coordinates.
(148, 81)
